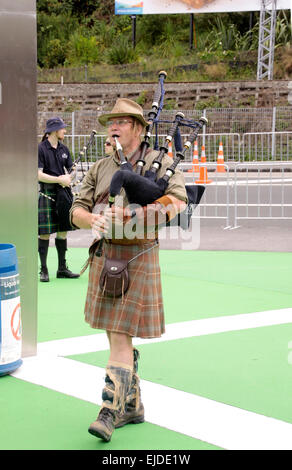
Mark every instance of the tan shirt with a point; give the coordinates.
(98, 178)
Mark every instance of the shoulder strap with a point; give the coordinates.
(144, 251)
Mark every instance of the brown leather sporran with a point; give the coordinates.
(114, 279)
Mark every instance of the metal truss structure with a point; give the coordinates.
(266, 47)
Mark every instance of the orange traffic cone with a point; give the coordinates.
(220, 160)
(195, 165)
(203, 155)
(203, 176)
(170, 153)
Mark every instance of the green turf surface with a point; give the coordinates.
(203, 284)
(35, 418)
(196, 284)
(248, 369)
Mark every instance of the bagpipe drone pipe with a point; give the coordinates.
(64, 194)
(145, 189)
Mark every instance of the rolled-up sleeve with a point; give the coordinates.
(176, 185)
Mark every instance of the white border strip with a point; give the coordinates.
(201, 418)
(99, 342)
(198, 417)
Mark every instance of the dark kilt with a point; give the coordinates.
(140, 313)
(48, 221)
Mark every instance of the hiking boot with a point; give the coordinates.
(44, 275)
(117, 382)
(64, 272)
(131, 415)
(134, 409)
(103, 426)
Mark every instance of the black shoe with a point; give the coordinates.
(64, 272)
(44, 275)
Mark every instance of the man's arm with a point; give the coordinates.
(158, 212)
(64, 180)
(84, 219)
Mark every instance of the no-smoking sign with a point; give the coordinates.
(16, 323)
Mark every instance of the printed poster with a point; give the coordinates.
(149, 7)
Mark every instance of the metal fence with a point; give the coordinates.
(262, 191)
(251, 191)
(251, 147)
(231, 144)
(267, 146)
(221, 120)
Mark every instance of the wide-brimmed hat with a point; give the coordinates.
(124, 107)
(54, 124)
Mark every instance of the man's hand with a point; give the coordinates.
(114, 215)
(64, 180)
(99, 224)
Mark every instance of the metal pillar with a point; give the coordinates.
(133, 30)
(266, 48)
(191, 31)
(18, 152)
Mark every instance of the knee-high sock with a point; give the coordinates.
(61, 246)
(43, 252)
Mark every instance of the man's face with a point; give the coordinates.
(124, 129)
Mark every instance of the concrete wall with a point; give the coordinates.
(101, 96)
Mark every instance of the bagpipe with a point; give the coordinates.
(65, 194)
(145, 189)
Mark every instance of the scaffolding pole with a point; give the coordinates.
(266, 47)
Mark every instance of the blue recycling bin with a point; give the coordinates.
(10, 311)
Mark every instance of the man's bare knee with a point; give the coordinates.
(121, 348)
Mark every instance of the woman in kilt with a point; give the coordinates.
(138, 312)
(53, 158)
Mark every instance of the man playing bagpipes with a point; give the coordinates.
(55, 198)
(132, 307)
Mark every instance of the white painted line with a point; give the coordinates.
(99, 342)
(258, 182)
(210, 421)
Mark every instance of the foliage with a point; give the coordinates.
(121, 52)
(84, 32)
(82, 50)
(53, 27)
(55, 54)
(283, 31)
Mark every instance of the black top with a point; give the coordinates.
(52, 161)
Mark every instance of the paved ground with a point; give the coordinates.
(250, 236)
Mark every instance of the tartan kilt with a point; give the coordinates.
(140, 312)
(48, 221)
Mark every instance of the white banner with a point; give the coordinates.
(147, 7)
